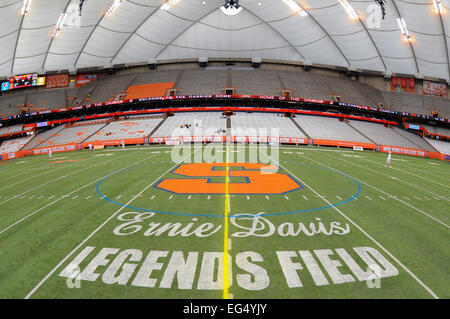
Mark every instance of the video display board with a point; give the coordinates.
(23, 81)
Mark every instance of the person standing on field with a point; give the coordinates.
(388, 160)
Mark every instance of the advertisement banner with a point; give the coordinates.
(433, 88)
(402, 150)
(85, 78)
(57, 81)
(5, 86)
(403, 84)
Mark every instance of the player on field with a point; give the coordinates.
(388, 160)
(49, 153)
(90, 147)
(122, 143)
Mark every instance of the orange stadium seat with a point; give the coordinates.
(148, 90)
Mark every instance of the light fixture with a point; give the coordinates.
(296, 7)
(382, 4)
(26, 6)
(80, 7)
(231, 7)
(402, 25)
(168, 4)
(259, 4)
(350, 11)
(438, 8)
(113, 7)
(59, 24)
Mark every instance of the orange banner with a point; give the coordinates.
(343, 144)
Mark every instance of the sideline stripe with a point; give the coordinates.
(388, 195)
(406, 172)
(225, 230)
(366, 234)
(57, 200)
(28, 296)
(53, 180)
(47, 171)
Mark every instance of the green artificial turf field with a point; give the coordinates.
(350, 228)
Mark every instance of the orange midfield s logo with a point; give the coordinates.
(259, 179)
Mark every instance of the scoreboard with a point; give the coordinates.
(22, 81)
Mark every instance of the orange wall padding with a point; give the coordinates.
(148, 90)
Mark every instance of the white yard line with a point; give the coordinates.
(367, 235)
(34, 176)
(54, 180)
(388, 195)
(392, 177)
(16, 176)
(95, 231)
(62, 196)
(406, 172)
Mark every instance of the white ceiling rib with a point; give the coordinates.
(139, 31)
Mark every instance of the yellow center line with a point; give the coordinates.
(225, 235)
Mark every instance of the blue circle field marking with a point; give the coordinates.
(97, 187)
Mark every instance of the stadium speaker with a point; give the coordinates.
(203, 61)
(256, 62)
(152, 64)
(307, 65)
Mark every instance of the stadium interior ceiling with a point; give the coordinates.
(54, 35)
(339, 51)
